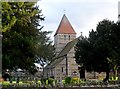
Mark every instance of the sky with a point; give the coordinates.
(83, 15)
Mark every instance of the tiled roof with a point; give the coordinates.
(67, 48)
(64, 52)
(65, 27)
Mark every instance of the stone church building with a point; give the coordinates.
(64, 63)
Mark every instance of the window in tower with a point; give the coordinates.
(64, 37)
(62, 69)
(69, 37)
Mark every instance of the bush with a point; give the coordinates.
(43, 81)
(50, 81)
(75, 81)
(6, 83)
(67, 80)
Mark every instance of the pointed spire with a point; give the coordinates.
(65, 27)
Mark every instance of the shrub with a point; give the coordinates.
(43, 81)
(75, 81)
(67, 80)
(50, 81)
(6, 83)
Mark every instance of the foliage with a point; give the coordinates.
(83, 47)
(43, 81)
(24, 43)
(50, 81)
(75, 81)
(68, 80)
(100, 51)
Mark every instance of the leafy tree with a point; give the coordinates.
(23, 41)
(114, 53)
(83, 47)
(99, 52)
(16, 12)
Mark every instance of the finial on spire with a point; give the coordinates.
(81, 36)
(81, 33)
(64, 11)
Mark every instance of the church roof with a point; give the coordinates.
(67, 48)
(64, 52)
(65, 27)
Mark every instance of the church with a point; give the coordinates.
(64, 63)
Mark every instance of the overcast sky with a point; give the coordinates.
(83, 15)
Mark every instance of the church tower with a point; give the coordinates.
(64, 40)
(64, 34)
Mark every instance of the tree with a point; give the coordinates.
(83, 47)
(23, 38)
(98, 51)
(16, 12)
(114, 53)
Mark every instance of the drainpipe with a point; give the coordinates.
(66, 65)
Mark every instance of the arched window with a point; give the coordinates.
(119, 15)
(64, 37)
(62, 69)
(69, 37)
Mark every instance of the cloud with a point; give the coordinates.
(82, 14)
